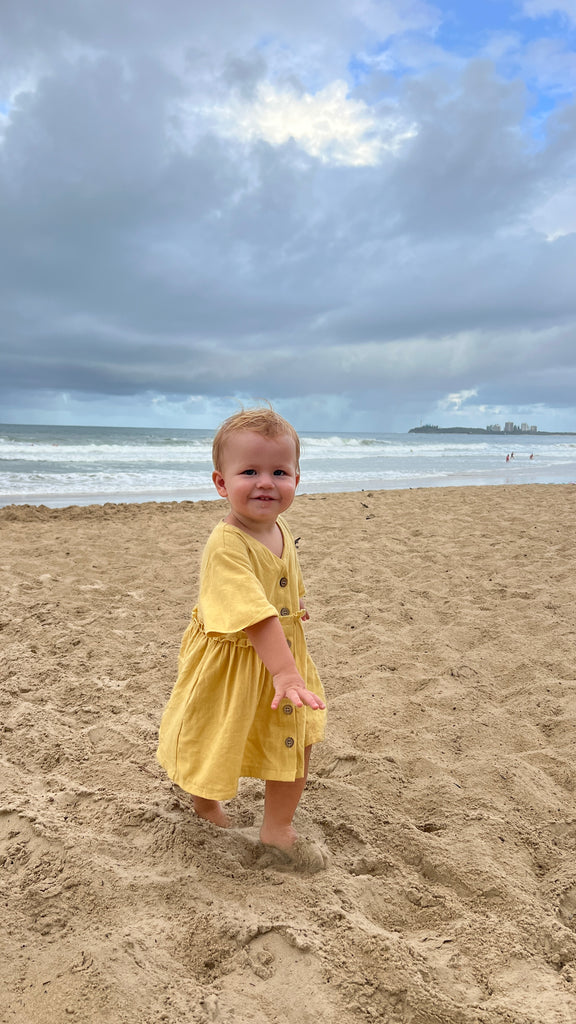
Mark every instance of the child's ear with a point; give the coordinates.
(219, 484)
(297, 479)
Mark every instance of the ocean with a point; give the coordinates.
(60, 466)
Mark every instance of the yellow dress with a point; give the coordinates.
(218, 724)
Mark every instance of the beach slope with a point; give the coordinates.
(443, 625)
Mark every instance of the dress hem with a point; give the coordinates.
(256, 773)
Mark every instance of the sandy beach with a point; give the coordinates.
(443, 626)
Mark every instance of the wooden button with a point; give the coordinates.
(289, 741)
(283, 582)
(284, 611)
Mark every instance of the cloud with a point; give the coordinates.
(454, 402)
(544, 8)
(317, 202)
(557, 214)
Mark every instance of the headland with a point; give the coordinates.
(430, 428)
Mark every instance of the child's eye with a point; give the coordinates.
(248, 472)
(279, 472)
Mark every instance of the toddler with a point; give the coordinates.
(248, 700)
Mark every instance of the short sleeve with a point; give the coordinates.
(231, 595)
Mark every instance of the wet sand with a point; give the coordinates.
(443, 625)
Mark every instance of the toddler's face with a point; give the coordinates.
(258, 476)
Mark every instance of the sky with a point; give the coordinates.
(361, 210)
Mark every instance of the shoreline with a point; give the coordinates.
(108, 503)
(510, 476)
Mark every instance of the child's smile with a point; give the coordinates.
(259, 477)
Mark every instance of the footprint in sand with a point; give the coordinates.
(275, 981)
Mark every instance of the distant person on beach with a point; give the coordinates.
(507, 458)
(248, 700)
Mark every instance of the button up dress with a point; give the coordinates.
(218, 724)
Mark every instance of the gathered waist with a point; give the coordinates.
(239, 639)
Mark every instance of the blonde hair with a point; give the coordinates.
(263, 421)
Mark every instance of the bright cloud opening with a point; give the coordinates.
(328, 125)
(455, 401)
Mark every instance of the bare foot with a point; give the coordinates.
(211, 810)
(290, 848)
(281, 837)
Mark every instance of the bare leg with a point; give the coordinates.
(280, 803)
(211, 810)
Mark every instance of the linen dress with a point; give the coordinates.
(218, 724)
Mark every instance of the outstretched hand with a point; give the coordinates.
(268, 639)
(291, 686)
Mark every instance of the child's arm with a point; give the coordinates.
(267, 638)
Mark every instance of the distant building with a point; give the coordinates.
(494, 428)
(515, 428)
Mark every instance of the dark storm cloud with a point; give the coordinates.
(149, 250)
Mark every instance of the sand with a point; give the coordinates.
(443, 625)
